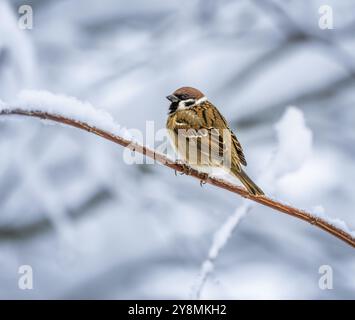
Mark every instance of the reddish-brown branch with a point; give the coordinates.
(276, 205)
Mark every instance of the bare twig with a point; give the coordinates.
(160, 158)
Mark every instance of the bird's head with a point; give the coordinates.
(184, 98)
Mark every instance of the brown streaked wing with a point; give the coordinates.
(207, 141)
(216, 120)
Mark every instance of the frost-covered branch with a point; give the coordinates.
(72, 112)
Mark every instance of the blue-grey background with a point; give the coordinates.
(93, 227)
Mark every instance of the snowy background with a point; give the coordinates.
(92, 226)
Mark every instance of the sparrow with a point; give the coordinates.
(202, 137)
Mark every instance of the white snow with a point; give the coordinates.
(66, 106)
(206, 269)
(219, 241)
(319, 211)
(222, 235)
(294, 142)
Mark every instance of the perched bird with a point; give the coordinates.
(202, 138)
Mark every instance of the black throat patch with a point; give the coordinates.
(173, 107)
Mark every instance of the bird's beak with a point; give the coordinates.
(173, 98)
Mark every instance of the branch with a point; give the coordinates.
(160, 158)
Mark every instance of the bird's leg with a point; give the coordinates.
(186, 169)
(203, 179)
(180, 163)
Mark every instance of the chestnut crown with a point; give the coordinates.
(185, 93)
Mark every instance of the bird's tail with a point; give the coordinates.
(248, 183)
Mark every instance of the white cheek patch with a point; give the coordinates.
(201, 100)
(182, 104)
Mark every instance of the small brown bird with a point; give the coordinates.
(202, 137)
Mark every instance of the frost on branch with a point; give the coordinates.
(319, 212)
(68, 107)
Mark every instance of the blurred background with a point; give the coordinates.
(93, 227)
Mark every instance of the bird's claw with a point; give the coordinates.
(185, 168)
(203, 179)
(314, 221)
